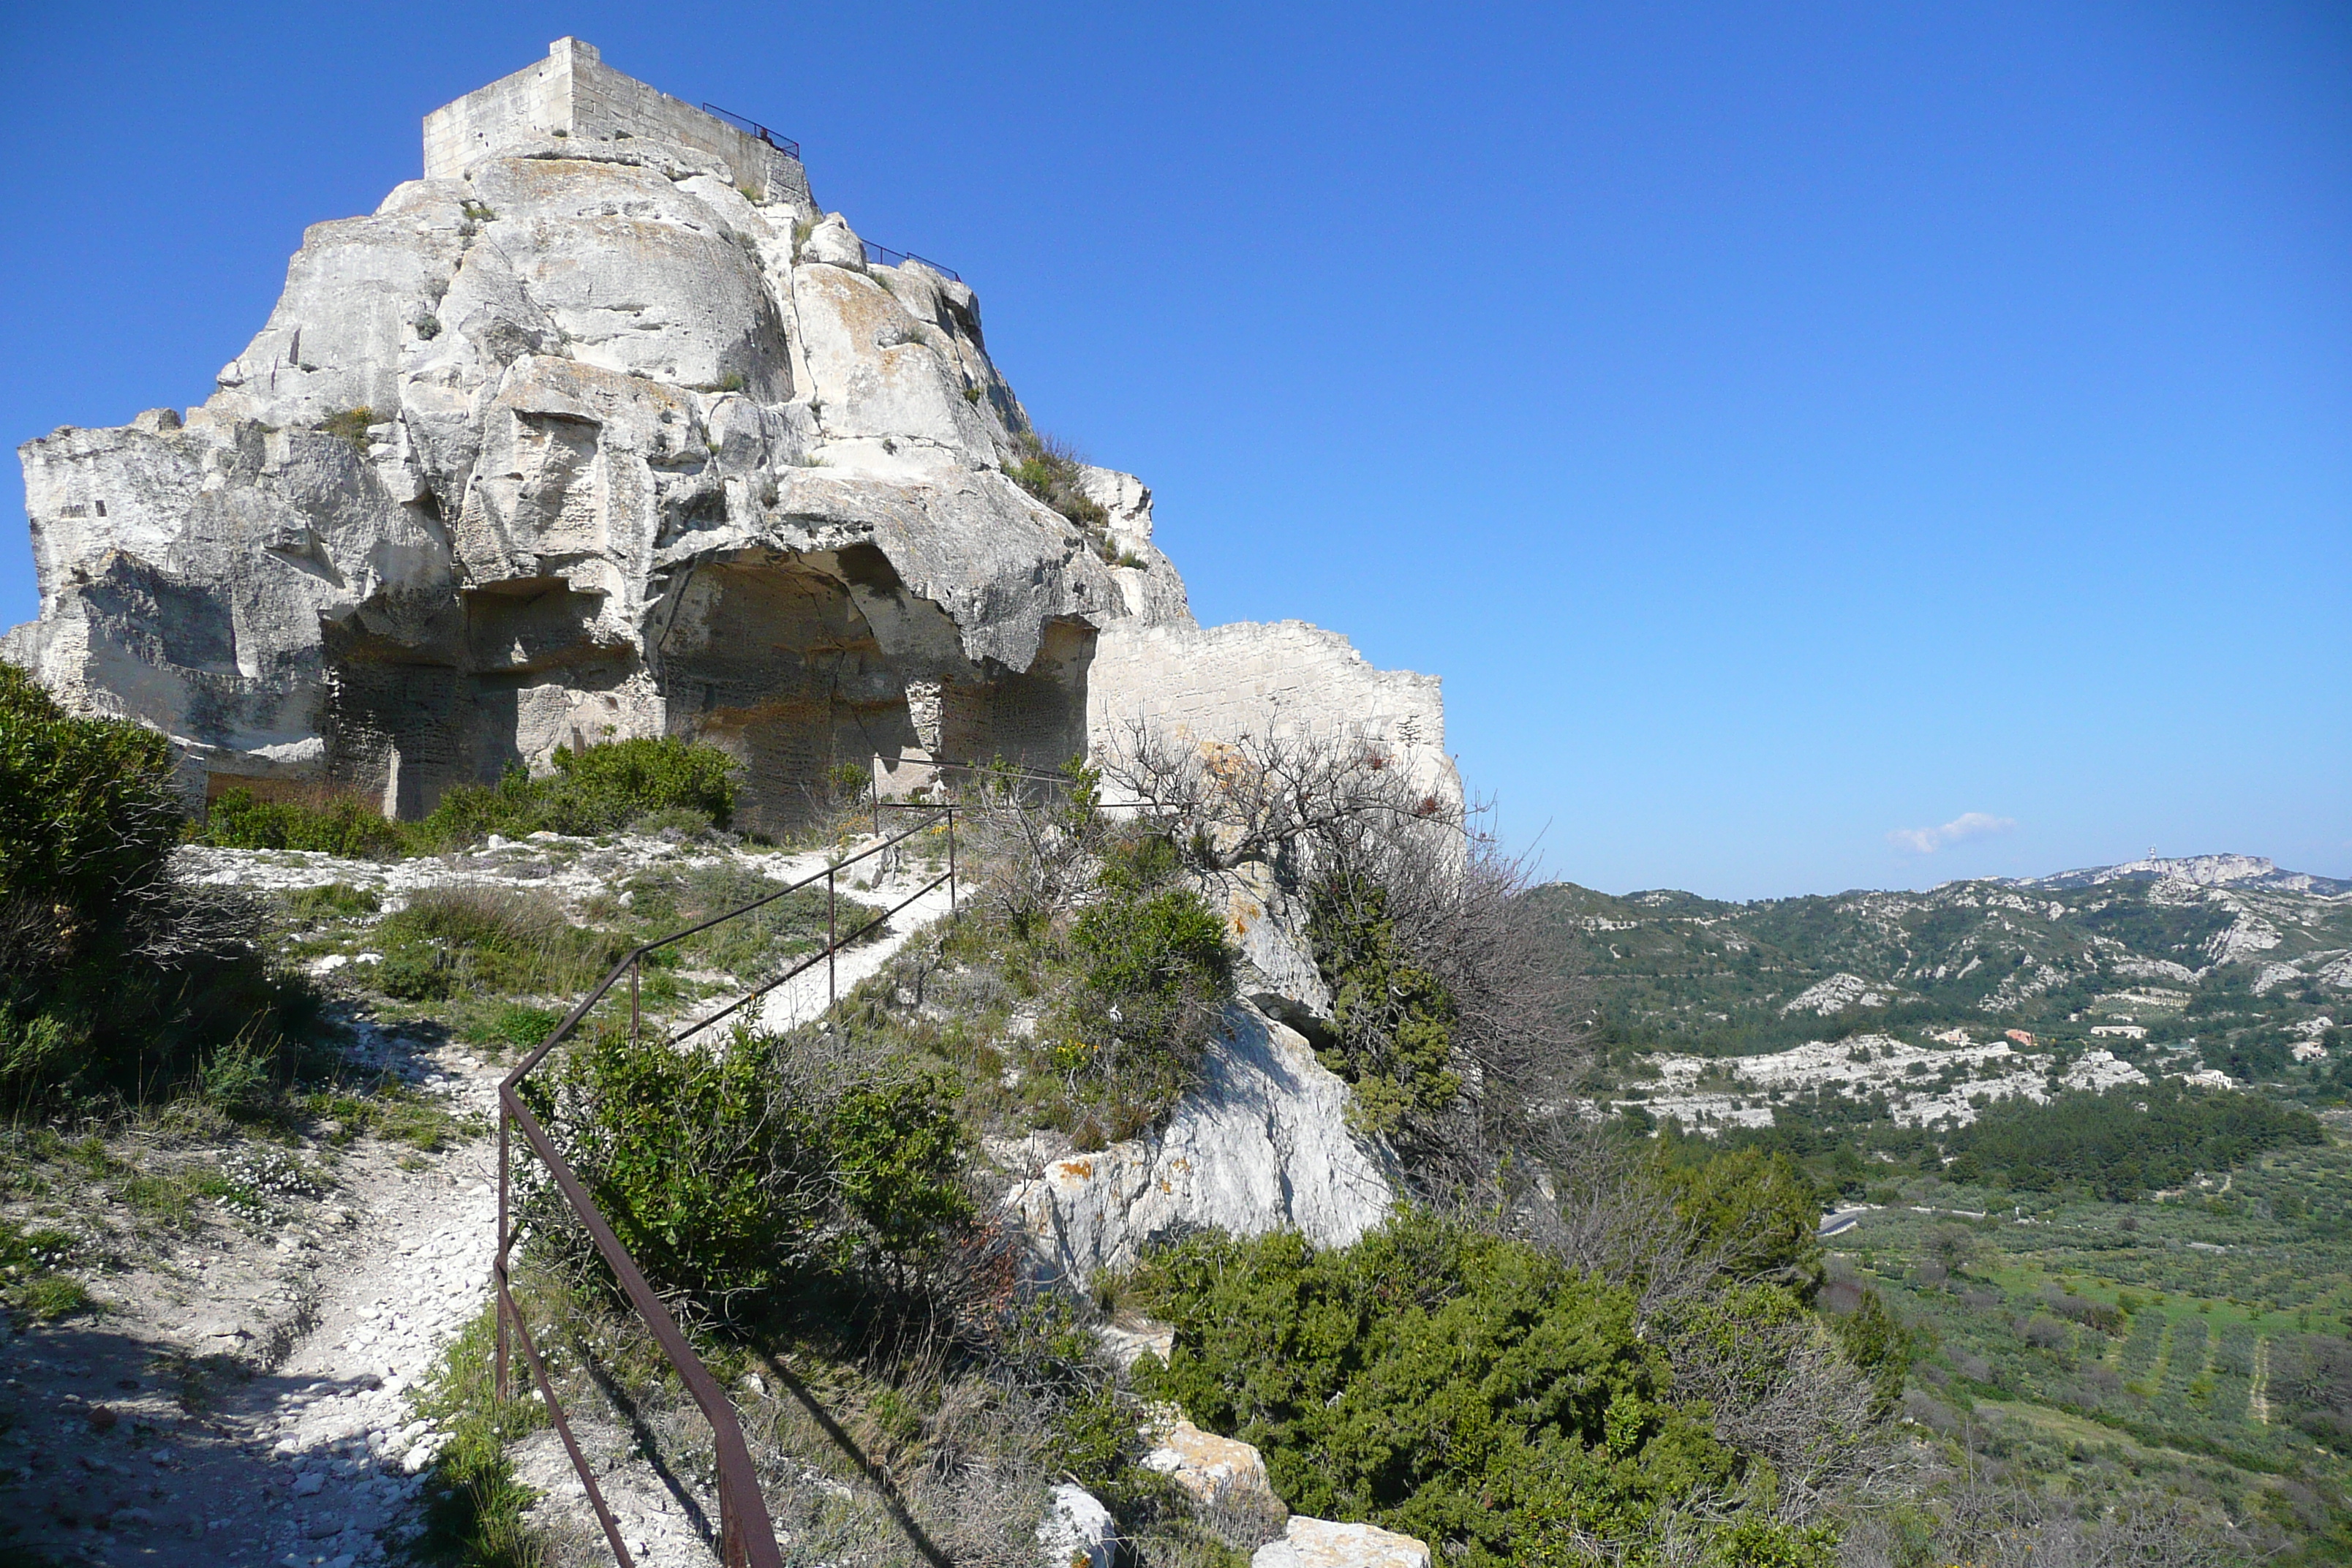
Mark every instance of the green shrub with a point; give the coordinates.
(240, 1076)
(2121, 1143)
(32, 1276)
(477, 1513)
(351, 426)
(343, 825)
(518, 1027)
(756, 944)
(1877, 1342)
(598, 790)
(104, 988)
(897, 1145)
(602, 789)
(336, 901)
(1448, 1383)
(1393, 1019)
(450, 939)
(681, 820)
(87, 812)
(847, 782)
(41, 1049)
(640, 786)
(51, 1296)
(734, 1171)
(1153, 974)
(1137, 863)
(1754, 1205)
(1049, 469)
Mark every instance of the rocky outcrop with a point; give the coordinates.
(605, 428)
(1261, 1144)
(1319, 1543)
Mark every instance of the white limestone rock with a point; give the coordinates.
(832, 242)
(1835, 994)
(1261, 1144)
(1319, 1543)
(1213, 1470)
(583, 435)
(1284, 679)
(1147, 579)
(1077, 1531)
(1277, 971)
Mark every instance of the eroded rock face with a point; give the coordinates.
(606, 429)
(1263, 1144)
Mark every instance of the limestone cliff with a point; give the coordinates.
(605, 428)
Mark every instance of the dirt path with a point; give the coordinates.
(242, 1399)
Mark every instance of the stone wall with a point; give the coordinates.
(1284, 680)
(574, 95)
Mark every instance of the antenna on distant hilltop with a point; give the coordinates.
(2151, 852)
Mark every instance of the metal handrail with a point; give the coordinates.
(747, 1536)
(881, 255)
(784, 145)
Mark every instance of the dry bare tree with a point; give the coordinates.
(1353, 830)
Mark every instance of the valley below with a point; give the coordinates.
(2087, 1135)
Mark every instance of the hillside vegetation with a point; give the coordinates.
(1568, 1342)
(2088, 1133)
(2234, 971)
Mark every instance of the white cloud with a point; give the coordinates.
(1967, 825)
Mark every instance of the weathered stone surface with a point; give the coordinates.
(1077, 1531)
(1261, 1144)
(1277, 972)
(1211, 1469)
(603, 428)
(1319, 1543)
(1286, 680)
(573, 97)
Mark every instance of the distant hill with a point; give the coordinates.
(2226, 953)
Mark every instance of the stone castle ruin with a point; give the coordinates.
(603, 428)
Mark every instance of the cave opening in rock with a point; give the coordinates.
(769, 658)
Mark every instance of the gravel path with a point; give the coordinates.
(241, 1400)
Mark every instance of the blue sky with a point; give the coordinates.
(1787, 428)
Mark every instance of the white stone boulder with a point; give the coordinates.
(1077, 1531)
(1219, 1471)
(1319, 1543)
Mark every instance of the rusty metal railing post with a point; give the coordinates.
(499, 1260)
(633, 1014)
(952, 881)
(832, 992)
